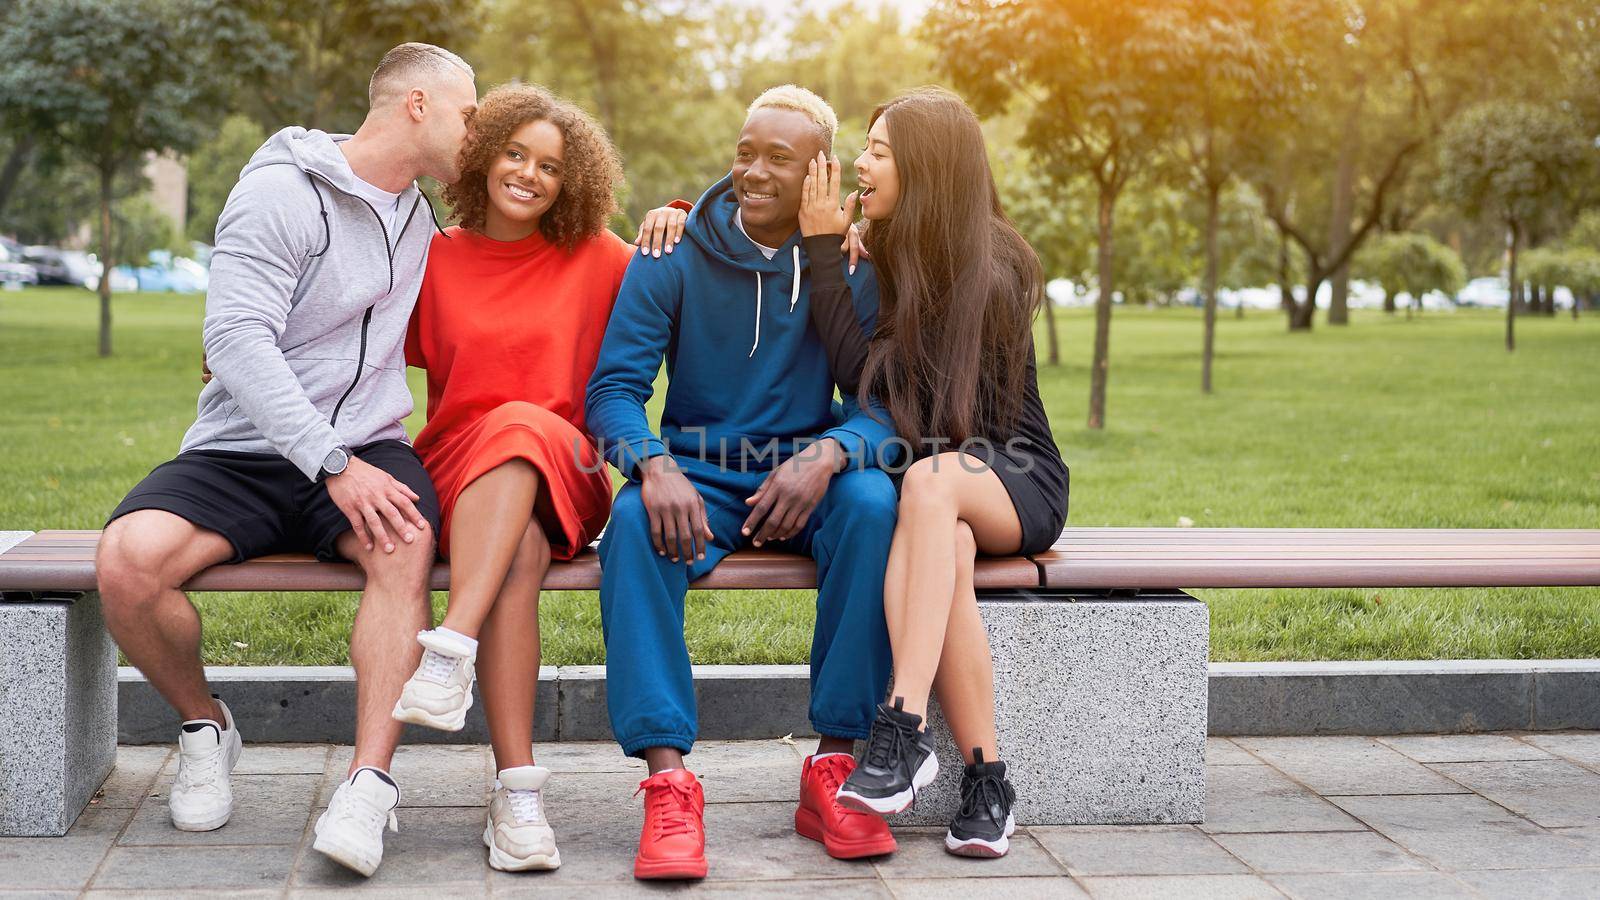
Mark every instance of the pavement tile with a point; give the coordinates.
(135, 774)
(590, 756)
(1136, 850)
(197, 893)
(451, 890)
(66, 863)
(1224, 752)
(1535, 884)
(1579, 747)
(272, 759)
(1349, 765)
(100, 821)
(176, 868)
(1260, 798)
(594, 807)
(267, 809)
(1468, 832)
(1045, 888)
(439, 846)
(428, 774)
(38, 895)
(1346, 851)
(922, 855)
(1372, 886)
(757, 841)
(1181, 887)
(1551, 792)
(1433, 748)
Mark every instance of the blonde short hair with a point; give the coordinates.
(797, 98)
(410, 60)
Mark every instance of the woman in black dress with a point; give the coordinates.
(951, 360)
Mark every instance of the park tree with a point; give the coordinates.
(1412, 264)
(1512, 162)
(1055, 220)
(214, 169)
(1094, 80)
(112, 81)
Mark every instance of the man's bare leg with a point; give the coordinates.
(142, 560)
(383, 644)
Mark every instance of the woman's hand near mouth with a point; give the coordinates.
(820, 210)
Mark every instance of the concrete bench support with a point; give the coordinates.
(1100, 706)
(58, 712)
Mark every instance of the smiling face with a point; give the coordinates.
(769, 169)
(524, 180)
(877, 173)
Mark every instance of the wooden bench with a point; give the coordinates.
(1100, 657)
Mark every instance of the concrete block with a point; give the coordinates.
(733, 702)
(58, 711)
(1100, 705)
(1566, 695)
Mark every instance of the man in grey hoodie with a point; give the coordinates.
(298, 443)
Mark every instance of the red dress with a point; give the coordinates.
(509, 332)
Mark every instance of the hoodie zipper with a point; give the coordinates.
(361, 362)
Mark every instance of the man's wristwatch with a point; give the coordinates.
(337, 461)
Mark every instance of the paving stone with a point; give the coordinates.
(267, 809)
(746, 771)
(1372, 886)
(272, 759)
(166, 893)
(1535, 884)
(1349, 765)
(1432, 748)
(1354, 851)
(39, 895)
(176, 868)
(101, 822)
(757, 841)
(64, 863)
(1260, 798)
(1181, 887)
(1147, 850)
(451, 890)
(134, 777)
(432, 775)
(977, 885)
(1580, 748)
(1551, 792)
(439, 846)
(922, 855)
(586, 756)
(1468, 832)
(855, 888)
(1224, 752)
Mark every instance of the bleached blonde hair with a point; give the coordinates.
(797, 98)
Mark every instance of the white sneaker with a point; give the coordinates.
(201, 798)
(518, 836)
(350, 830)
(440, 692)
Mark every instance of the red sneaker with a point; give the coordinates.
(845, 833)
(673, 842)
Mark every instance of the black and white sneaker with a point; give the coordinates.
(984, 825)
(899, 762)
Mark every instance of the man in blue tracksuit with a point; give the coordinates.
(750, 452)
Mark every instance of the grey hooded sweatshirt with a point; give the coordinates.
(307, 311)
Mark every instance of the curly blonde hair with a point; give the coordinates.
(591, 173)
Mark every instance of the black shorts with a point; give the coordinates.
(262, 504)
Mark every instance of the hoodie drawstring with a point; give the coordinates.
(794, 298)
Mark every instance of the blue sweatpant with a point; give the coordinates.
(649, 688)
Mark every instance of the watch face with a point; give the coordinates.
(336, 461)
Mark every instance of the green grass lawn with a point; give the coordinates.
(1386, 423)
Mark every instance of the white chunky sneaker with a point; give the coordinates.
(350, 831)
(201, 798)
(440, 692)
(518, 836)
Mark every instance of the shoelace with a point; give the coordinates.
(201, 773)
(349, 805)
(670, 806)
(831, 771)
(983, 794)
(525, 805)
(887, 744)
(437, 667)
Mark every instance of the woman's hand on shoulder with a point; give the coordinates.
(661, 229)
(820, 210)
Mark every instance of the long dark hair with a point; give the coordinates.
(959, 287)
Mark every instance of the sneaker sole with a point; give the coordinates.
(346, 856)
(669, 869)
(894, 803)
(235, 748)
(980, 848)
(454, 722)
(505, 862)
(808, 824)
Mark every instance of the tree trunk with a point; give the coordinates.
(1516, 292)
(1102, 313)
(1213, 203)
(1388, 301)
(1339, 223)
(1050, 330)
(16, 161)
(1533, 298)
(107, 256)
(1304, 315)
(1285, 290)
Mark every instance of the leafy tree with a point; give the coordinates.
(214, 169)
(1055, 221)
(141, 228)
(1094, 79)
(1410, 263)
(1512, 161)
(110, 81)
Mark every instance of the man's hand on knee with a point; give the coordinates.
(376, 503)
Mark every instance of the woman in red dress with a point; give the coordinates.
(508, 326)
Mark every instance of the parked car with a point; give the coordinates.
(1490, 292)
(57, 266)
(16, 274)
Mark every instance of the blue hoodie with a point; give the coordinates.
(748, 380)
